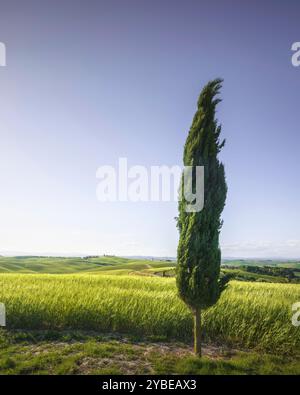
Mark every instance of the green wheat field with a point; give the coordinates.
(95, 303)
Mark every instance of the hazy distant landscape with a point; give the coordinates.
(243, 269)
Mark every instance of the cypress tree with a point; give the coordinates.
(198, 255)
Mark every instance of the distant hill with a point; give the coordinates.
(60, 265)
(262, 262)
(165, 267)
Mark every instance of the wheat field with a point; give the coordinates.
(249, 315)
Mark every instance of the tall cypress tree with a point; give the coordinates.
(199, 256)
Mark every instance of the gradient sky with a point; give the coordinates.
(89, 82)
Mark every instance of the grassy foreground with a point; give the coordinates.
(77, 352)
(248, 315)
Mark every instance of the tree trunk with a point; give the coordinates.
(197, 332)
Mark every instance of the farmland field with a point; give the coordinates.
(119, 296)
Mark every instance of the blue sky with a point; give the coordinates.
(87, 83)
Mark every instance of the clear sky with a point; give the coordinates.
(89, 82)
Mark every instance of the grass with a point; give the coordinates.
(85, 353)
(73, 316)
(248, 315)
(240, 364)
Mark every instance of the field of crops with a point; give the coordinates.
(67, 265)
(247, 315)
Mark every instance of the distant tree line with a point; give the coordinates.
(271, 271)
(288, 273)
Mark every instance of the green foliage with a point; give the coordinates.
(199, 255)
(272, 271)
